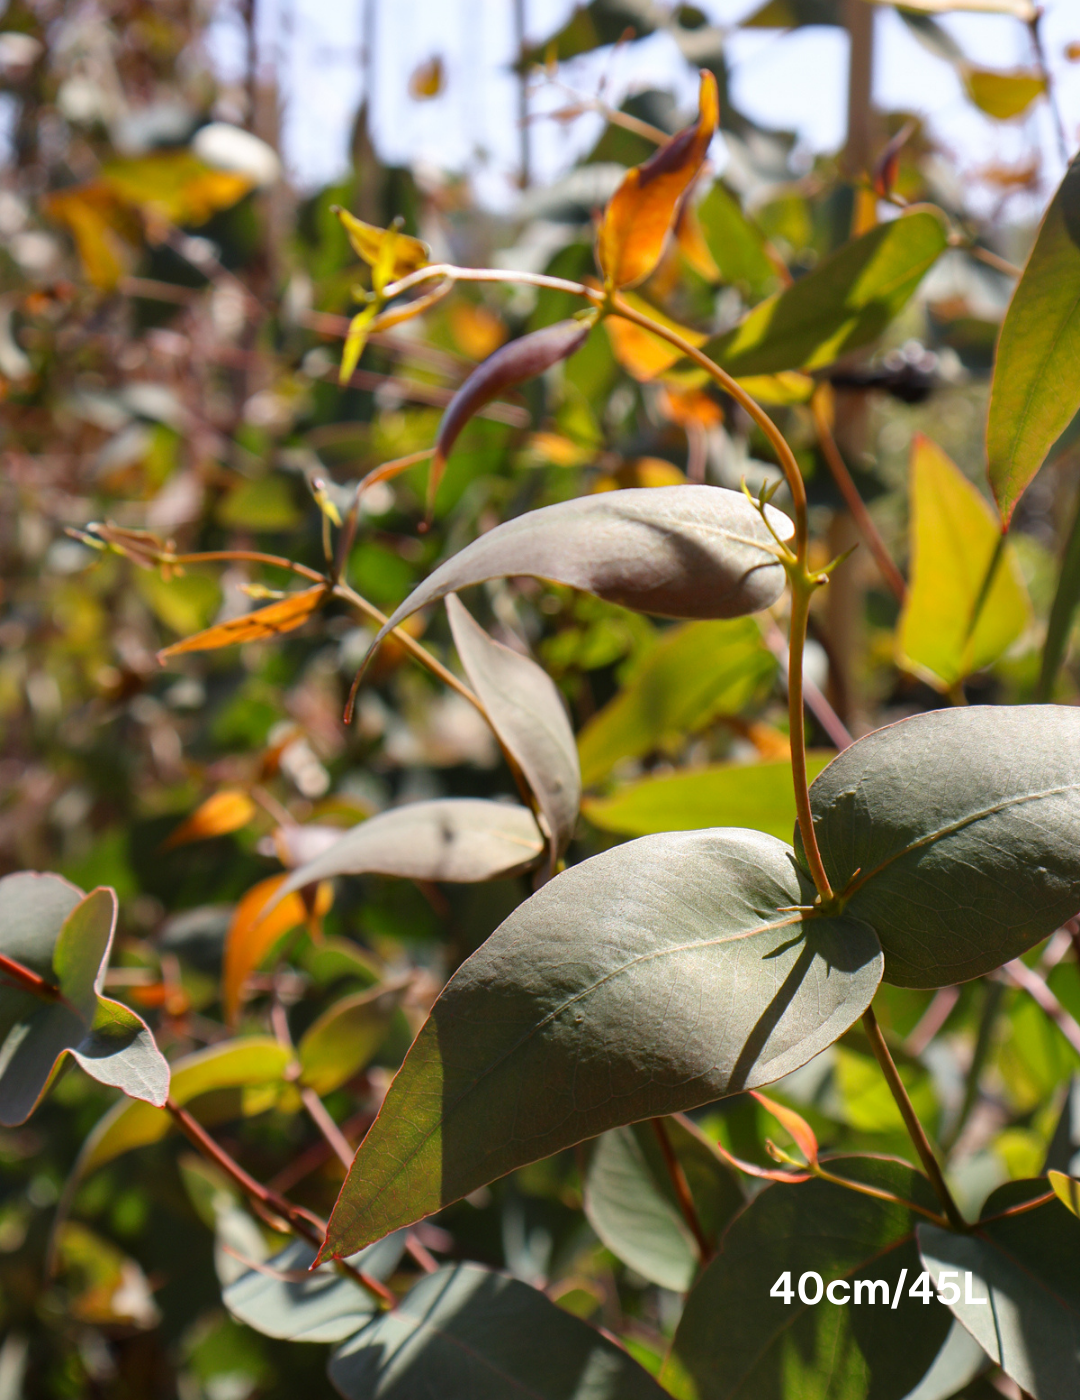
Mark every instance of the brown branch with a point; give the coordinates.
(1026, 977)
(682, 1190)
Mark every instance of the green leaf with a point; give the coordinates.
(956, 836)
(184, 604)
(1036, 390)
(322, 1306)
(254, 1060)
(955, 541)
(468, 1333)
(736, 243)
(632, 1206)
(676, 551)
(655, 977)
(734, 1339)
(757, 795)
(529, 718)
(846, 302)
(691, 676)
(344, 1038)
(68, 945)
(1025, 1267)
(1062, 612)
(268, 504)
(1003, 96)
(458, 839)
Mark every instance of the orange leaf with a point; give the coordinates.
(798, 1127)
(251, 937)
(692, 244)
(427, 80)
(643, 209)
(290, 613)
(641, 353)
(477, 330)
(226, 811)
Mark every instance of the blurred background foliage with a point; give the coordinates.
(171, 316)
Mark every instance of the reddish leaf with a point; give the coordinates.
(252, 934)
(798, 1127)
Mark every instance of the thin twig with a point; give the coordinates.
(911, 1119)
(983, 1041)
(320, 1116)
(681, 1188)
(932, 1020)
(1027, 978)
(1051, 89)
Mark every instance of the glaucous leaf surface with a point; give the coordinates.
(253, 1060)
(468, 1333)
(757, 795)
(1035, 390)
(650, 979)
(68, 945)
(457, 839)
(322, 1306)
(954, 539)
(693, 674)
(340, 1042)
(736, 1340)
(529, 718)
(632, 1206)
(958, 1362)
(1025, 1266)
(677, 551)
(846, 301)
(964, 828)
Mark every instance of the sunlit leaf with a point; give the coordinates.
(102, 229)
(1019, 9)
(954, 539)
(355, 340)
(226, 811)
(1003, 95)
(642, 211)
(260, 920)
(183, 603)
(846, 301)
(647, 980)
(956, 836)
(638, 351)
(1019, 1295)
(341, 1042)
(529, 717)
(757, 795)
(368, 242)
(1066, 1189)
(1036, 391)
(272, 621)
(175, 185)
(427, 79)
(737, 244)
(477, 330)
(693, 674)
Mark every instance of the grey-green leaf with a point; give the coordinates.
(1025, 1267)
(323, 1306)
(676, 551)
(650, 979)
(529, 717)
(468, 1333)
(964, 828)
(958, 1362)
(630, 1202)
(735, 1340)
(457, 839)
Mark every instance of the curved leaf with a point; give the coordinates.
(272, 621)
(225, 811)
(736, 243)
(529, 717)
(458, 839)
(734, 1339)
(468, 1333)
(677, 551)
(655, 977)
(261, 919)
(757, 795)
(1035, 391)
(693, 674)
(1025, 1268)
(845, 302)
(340, 1042)
(964, 828)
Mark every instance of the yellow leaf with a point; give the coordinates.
(355, 340)
(251, 937)
(954, 537)
(226, 811)
(175, 185)
(286, 616)
(427, 79)
(641, 353)
(642, 471)
(643, 209)
(1066, 1189)
(103, 230)
(789, 386)
(1003, 95)
(692, 244)
(367, 242)
(477, 330)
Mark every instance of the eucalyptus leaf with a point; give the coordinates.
(67, 944)
(1035, 390)
(846, 301)
(956, 836)
(676, 551)
(736, 243)
(529, 717)
(1024, 1267)
(340, 1042)
(958, 1362)
(694, 673)
(1062, 612)
(322, 1306)
(655, 977)
(758, 795)
(457, 839)
(468, 1333)
(735, 1339)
